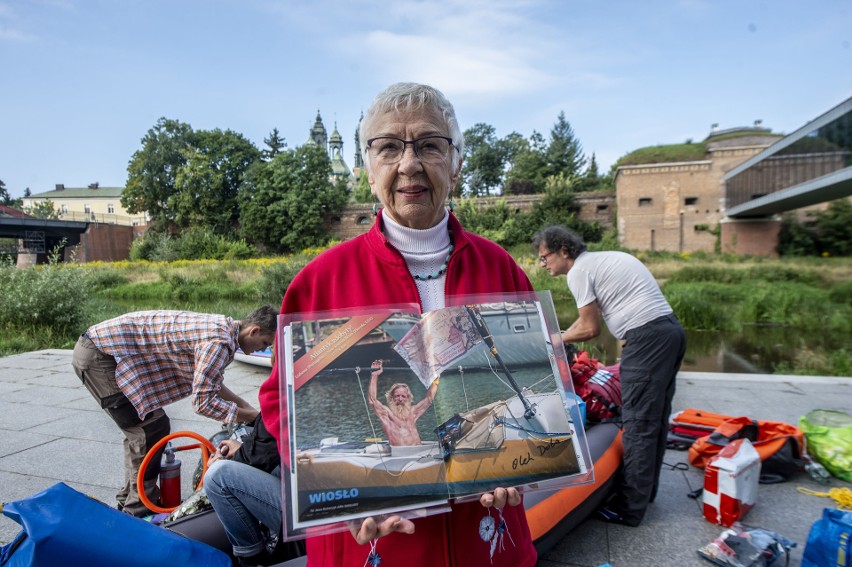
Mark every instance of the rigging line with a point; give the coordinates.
(364, 397)
(527, 430)
(464, 388)
(496, 375)
(548, 377)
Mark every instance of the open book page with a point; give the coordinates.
(342, 465)
(437, 341)
(393, 411)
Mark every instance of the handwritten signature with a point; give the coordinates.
(522, 460)
(550, 445)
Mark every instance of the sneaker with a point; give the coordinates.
(611, 516)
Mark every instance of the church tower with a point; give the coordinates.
(335, 147)
(359, 157)
(318, 135)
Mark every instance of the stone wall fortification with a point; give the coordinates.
(597, 206)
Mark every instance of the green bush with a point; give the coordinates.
(144, 247)
(704, 305)
(192, 244)
(752, 274)
(689, 274)
(202, 244)
(841, 293)
(276, 278)
(105, 278)
(52, 296)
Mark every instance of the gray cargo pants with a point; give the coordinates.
(650, 362)
(97, 372)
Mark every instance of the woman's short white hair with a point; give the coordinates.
(408, 97)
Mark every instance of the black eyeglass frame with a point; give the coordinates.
(412, 142)
(543, 258)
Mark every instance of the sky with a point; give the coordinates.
(82, 81)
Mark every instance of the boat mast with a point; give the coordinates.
(482, 328)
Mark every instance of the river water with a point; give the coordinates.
(754, 350)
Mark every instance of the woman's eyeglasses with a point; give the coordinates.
(386, 149)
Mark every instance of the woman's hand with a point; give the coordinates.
(369, 530)
(500, 497)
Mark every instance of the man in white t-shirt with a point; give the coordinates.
(617, 287)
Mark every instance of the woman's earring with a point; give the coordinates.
(375, 209)
(451, 205)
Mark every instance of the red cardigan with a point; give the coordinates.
(367, 271)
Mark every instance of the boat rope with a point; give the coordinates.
(364, 397)
(511, 425)
(843, 496)
(494, 372)
(464, 388)
(548, 377)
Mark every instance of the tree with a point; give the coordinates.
(207, 184)
(828, 232)
(560, 207)
(795, 238)
(592, 179)
(43, 210)
(834, 227)
(564, 153)
(284, 203)
(275, 142)
(362, 192)
(484, 159)
(527, 164)
(152, 171)
(4, 194)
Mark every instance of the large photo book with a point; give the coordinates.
(391, 411)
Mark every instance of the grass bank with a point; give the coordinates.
(48, 306)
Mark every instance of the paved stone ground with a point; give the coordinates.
(53, 431)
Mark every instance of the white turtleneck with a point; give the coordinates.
(424, 252)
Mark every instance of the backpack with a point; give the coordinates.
(598, 385)
(780, 446)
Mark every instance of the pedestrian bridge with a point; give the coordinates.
(40, 236)
(810, 166)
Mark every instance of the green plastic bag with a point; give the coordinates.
(829, 440)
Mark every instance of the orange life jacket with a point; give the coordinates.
(780, 445)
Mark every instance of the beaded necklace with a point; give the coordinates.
(440, 271)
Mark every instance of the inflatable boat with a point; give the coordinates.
(551, 514)
(257, 358)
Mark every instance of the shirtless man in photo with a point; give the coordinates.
(399, 417)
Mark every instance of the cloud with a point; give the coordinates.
(463, 68)
(470, 49)
(10, 34)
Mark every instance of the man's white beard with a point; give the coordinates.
(403, 411)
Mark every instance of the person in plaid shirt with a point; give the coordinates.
(139, 362)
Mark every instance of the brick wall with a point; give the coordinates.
(105, 243)
(758, 237)
(673, 206)
(594, 207)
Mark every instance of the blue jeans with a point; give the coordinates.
(244, 497)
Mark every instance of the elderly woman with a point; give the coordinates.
(416, 252)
